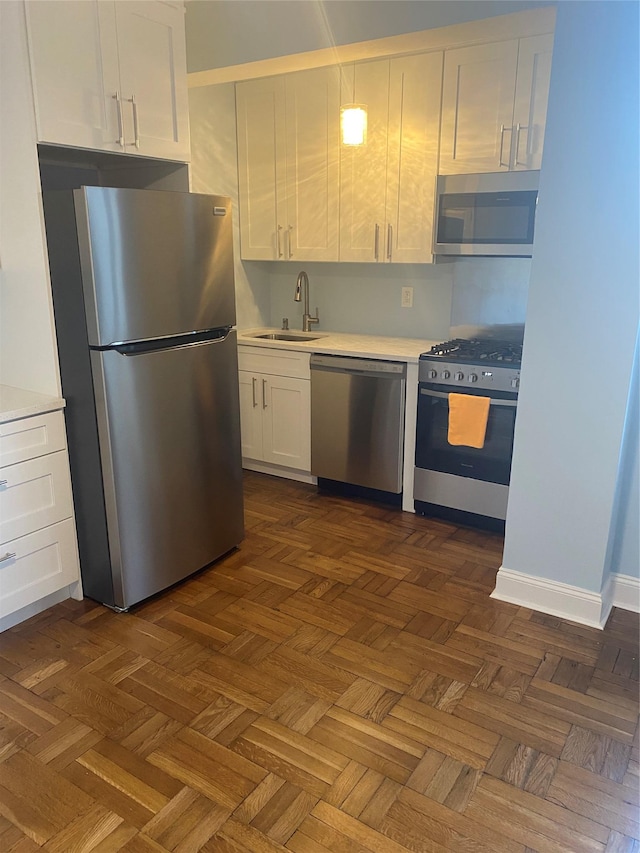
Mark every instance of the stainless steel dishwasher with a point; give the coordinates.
(357, 421)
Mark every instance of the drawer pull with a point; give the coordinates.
(8, 556)
(4, 482)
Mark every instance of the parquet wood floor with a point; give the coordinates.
(342, 682)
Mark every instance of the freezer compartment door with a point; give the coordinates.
(169, 432)
(154, 264)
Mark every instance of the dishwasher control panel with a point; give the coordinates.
(357, 365)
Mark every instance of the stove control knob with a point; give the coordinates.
(445, 374)
(432, 374)
(459, 376)
(515, 382)
(473, 377)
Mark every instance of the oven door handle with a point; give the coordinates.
(445, 396)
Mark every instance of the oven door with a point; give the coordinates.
(491, 463)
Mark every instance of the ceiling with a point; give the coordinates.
(223, 33)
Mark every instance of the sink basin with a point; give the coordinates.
(287, 336)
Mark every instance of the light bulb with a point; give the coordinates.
(353, 124)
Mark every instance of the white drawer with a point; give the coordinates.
(30, 437)
(37, 565)
(34, 494)
(277, 362)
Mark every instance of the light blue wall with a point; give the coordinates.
(365, 298)
(230, 32)
(489, 291)
(625, 530)
(582, 316)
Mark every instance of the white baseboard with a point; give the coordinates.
(555, 598)
(625, 592)
(29, 610)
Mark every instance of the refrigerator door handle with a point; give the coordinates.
(193, 339)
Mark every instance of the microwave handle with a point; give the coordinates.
(445, 396)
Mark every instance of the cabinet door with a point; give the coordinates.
(363, 168)
(313, 164)
(261, 169)
(477, 108)
(37, 565)
(250, 414)
(415, 84)
(153, 77)
(287, 422)
(34, 494)
(74, 66)
(532, 94)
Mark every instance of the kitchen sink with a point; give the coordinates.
(287, 336)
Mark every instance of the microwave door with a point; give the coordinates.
(456, 225)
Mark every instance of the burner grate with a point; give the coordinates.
(480, 349)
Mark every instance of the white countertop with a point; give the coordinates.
(343, 343)
(16, 403)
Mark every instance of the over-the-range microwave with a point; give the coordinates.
(487, 214)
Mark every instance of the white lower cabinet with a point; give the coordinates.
(37, 565)
(38, 547)
(275, 407)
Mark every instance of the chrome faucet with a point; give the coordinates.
(307, 319)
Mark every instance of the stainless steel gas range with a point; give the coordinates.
(466, 484)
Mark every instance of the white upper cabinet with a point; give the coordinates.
(110, 76)
(477, 107)
(412, 156)
(532, 95)
(494, 105)
(261, 168)
(388, 184)
(74, 64)
(363, 168)
(313, 163)
(288, 166)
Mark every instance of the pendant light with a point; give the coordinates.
(353, 120)
(353, 124)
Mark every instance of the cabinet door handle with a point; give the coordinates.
(389, 241)
(289, 234)
(118, 100)
(136, 132)
(376, 242)
(502, 130)
(278, 238)
(264, 393)
(520, 127)
(8, 556)
(254, 382)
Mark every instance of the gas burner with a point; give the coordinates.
(478, 349)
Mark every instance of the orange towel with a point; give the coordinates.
(468, 416)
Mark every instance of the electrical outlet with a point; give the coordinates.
(406, 300)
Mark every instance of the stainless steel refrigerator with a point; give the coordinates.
(144, 306)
